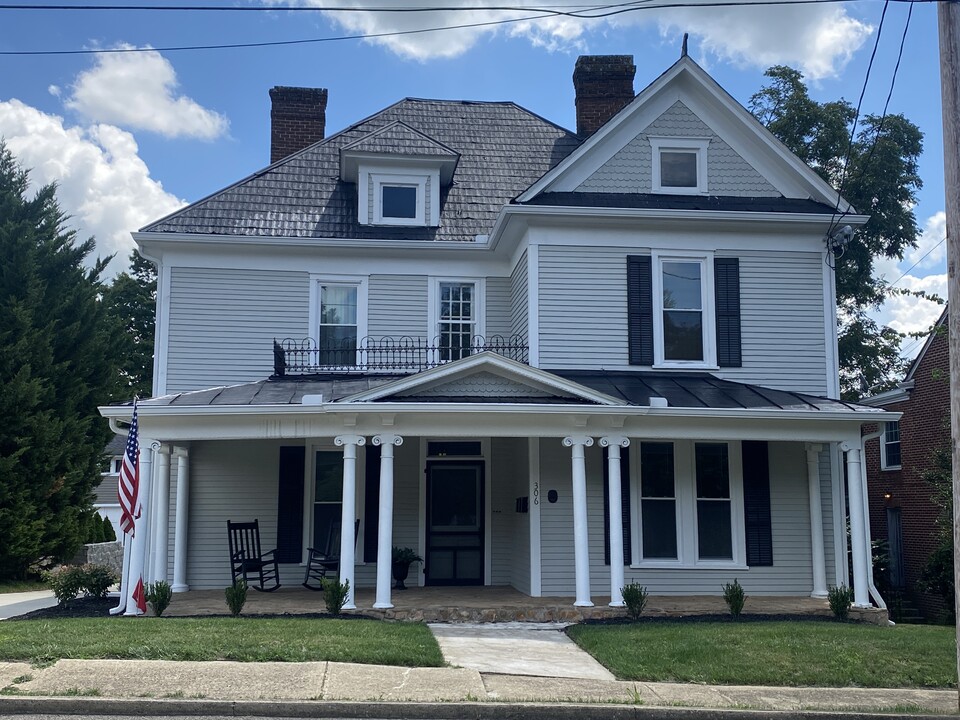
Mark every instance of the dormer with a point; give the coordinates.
(399, 173)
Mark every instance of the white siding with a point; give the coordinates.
(510, 531)
(826, 503)
(223, 323)
(791, 573)
(519, 308)
(498, 307)
(398, 306)
(630, 169)
(583, 314)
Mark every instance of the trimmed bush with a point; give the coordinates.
(840, 598)
(635, 598)
(109, 535)
(159, 595)
(335, 594)
(69, 581)
(734, 597)
(236, 595)
(97, 579)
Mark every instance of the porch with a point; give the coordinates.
(497, 604)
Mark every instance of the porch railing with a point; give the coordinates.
(379, 354)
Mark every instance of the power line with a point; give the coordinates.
(371, 8)
(922, 258)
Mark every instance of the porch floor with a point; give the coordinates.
(492, 604)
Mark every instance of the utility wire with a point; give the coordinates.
(922, 258)
(334, 8)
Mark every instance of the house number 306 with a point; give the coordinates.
(536, 493)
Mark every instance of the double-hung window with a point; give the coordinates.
(338, 325)
(658, 502)
(890, 446)
(714, 517)
(683, 313)
(457, 309)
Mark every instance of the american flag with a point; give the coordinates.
(130, 478)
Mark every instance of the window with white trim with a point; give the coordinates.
(688, 507)
(338, 330)
(399, 199)
(890, 446)
(457, 319)
(679, 165)
(684, 333)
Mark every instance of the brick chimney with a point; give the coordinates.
(298, 118)
(604, 86)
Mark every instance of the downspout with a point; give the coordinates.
(874, 593)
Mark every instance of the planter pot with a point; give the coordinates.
(400, 572)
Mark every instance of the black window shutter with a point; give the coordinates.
(624, 506)
(371, 504)
(640, 309)
(290, 504)
(756, 503)
(726, 273)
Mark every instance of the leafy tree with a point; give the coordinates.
(56, 365)
(877, 172)
(938, 573)
(130, 303)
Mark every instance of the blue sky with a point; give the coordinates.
(131, 137)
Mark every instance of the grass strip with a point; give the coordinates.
(802, 654)
(15, 586)
(241, 639)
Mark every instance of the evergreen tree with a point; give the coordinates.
(131, 303)
(877, 173)
(56, 365)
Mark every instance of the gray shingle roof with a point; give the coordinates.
(503, 150)
(400, 139)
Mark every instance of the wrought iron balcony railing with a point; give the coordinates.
(380, 354)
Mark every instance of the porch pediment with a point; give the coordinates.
(485, 377)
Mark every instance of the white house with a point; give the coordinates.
(560, 362)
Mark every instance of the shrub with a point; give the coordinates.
(236, 595)
(840, 598)
(335, 594)
(94, 530)
(69, 581)
(97, 579)
(635, 598)
(64, 581)
(159, 595)
(109, 535)
(734, 597)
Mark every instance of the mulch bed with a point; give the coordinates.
(77, 608)
(715, 618)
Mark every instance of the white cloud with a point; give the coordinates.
(104, 185)
(138, 91)
(820, 39)
(931, 249)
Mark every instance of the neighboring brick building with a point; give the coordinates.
(900, 508)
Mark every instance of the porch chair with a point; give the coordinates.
(320, 564)
(246, 560)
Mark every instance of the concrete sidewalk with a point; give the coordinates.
(161, 687)
(13, 604)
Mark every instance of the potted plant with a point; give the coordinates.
(403, 558)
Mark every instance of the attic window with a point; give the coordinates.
(679, 165)
(399, 199)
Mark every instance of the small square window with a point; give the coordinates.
(399, 201)
(678, 169)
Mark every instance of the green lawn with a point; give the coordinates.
(244, 639)
(775, 653)
(12, 586)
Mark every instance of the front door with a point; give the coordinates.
(454, 552)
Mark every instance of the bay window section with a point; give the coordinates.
(658, 502)
(338, 325)
(714, 520)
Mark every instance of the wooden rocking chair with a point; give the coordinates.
(258, 569)
(321, 564)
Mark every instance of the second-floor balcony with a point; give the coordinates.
(403, 354)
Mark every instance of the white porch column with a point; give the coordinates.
(348, 546)
(615, 520)
(385, 519)
(581, 538)
(139, 543)
(161, 516)
(858, 536)
(816, 521)
(183, 514)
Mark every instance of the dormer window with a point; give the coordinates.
(679, 165)
(400, 199)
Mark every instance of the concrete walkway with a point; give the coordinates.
(13, 604)
(516, 648)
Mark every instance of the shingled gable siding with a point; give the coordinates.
(790, 574)
(223, 322)
(630, 169)
(519, 304)
(583, 314)
(398, 306)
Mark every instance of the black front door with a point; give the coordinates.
(454, 523)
